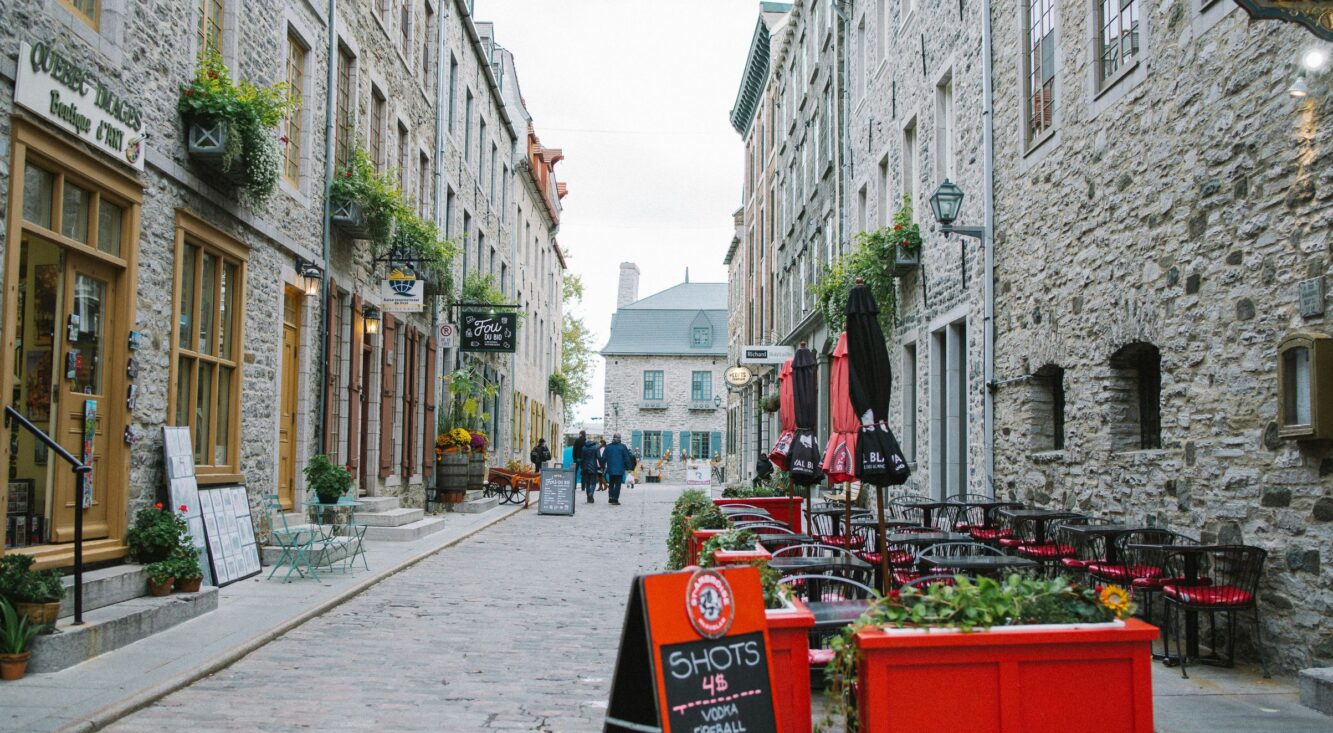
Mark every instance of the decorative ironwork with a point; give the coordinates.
(1315, 15)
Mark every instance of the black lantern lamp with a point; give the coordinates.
(717, 400)
(311, 275)
(371, 316)
(946, 203)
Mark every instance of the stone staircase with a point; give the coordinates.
(387, 522)
(475, 503)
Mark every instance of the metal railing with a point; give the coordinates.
(80, 470)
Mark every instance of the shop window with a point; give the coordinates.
(1046, 405)
(1136, 392)
(1039, 48)
(209, 35)
(1117, 38)
(205, 392)
(75, 210)
(38, 195)
(700, 445)
(75, 207)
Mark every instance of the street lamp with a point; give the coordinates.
(946, 203)
(311, 274)
(371, 315)
(717, 400)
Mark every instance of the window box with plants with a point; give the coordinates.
(231, 127)
(904, 239)
(36, 594)
(783, 508)
(364, 204)
(1031, 652)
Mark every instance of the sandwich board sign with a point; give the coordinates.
(557, 493)
(693, 655)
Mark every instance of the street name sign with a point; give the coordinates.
(557, 492)
(766, 354)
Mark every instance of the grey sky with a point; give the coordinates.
(637, 94)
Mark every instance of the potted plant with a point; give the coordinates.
(702, 525)
(1038, 647)
(732, 547)
(690, 502)
(231, 127)
(779, 504)
(363, 203)
(185, 568)
(155, 534)
(771, 402)
(328, 480)
(905, 236)
(161, 576)
(16, 634)
(35, 594)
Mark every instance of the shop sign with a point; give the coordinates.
(486, 331)
(1315, 15)
(738, 376)
(402, 292)
(69, 96)
(766, 354)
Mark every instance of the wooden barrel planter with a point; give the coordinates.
(476, 472)
(451, 474)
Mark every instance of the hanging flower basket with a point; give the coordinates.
(906, 261)
(349, 218)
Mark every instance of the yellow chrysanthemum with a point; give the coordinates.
(1117, 599)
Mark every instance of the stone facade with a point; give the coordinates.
(677, 418)
(1191, 187)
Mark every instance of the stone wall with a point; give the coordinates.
(1179, 207)
(624, 386)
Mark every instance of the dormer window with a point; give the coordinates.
(702, 337)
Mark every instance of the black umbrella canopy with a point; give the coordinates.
(803, 388)
(879, 458)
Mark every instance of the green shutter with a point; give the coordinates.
(685, 442)
(715, 444)
(636, 440)
(666, 441)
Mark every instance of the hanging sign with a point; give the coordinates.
(402, 292)
(1315, 15)
(70, 96)
(766, 354)
(487, 331)
(694, 656)
(738, 376)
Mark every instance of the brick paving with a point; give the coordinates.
(515, 628)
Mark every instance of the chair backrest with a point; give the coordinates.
(812, 550)
(920, 584)
(825, 588)
(728, 508)
(1231, 573)
(959, 549)
(821, 524)
(756, 526)
(772, 529)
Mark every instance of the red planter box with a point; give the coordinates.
(1036, 680)
(741, 557)
(696, 543)
(789, 657)
(787, 509)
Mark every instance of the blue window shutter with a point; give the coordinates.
(636, 439)
(666, 441)
(715, 443)
(685, 442)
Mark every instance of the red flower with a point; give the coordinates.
(212, 75)
(189, 92)
(157, 505)
(349, 174)
(284, 139)
(897, 227)
(184, 508)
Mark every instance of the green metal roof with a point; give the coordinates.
(756, 71)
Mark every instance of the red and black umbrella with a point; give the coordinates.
(879, 459)
(840, 453)
(806, 458)
(786, 419)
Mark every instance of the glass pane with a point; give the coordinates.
(1297, 408)
(109, 229)
(38, 191)
(203, 411)
(183, 370)
(185, 335)
(226, 307)
(207, 307)
(222, 434)
(74, 213)
(89, 304)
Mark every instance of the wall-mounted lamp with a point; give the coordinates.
(946, 203)
(311, 275)
(371, 316)
(1298, 88)
(717, 400)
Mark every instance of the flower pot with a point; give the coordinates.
(329, 498)
(349, 218)
(695, 544)
(160, 589)
(1035, 678)
(206, 143)
(905, 261)
(189, 585)
(789, 659)
(741, 557)
(12, 666)
(786, 509)
(451, 471)
(39, 614)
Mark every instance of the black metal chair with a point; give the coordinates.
(925, 581)
(1141, 557)
(813, 550)
(1216, 579)
(1083, 548)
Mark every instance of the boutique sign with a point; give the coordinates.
(70, 96)
(486, 331)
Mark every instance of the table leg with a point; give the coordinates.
(1191, 617)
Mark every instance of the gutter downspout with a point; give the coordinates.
(326, 296)
(441, 69)
(988, 174)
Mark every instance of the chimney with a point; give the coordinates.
(629, 284)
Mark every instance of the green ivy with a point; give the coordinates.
(558, 385)
(748, 491)
(690, 503)
(377, 193)
(480, 287)
(421, 240)
(873, 261)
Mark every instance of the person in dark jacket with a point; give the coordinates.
(591, 466)
(577, 455)
(616, 461)
(540, 454)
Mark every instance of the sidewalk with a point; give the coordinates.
(250, 613)
(1219, 700)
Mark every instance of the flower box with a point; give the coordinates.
(1035, 679)
(349, 218)
(741, 557)
(905, 261)
(206, 143)
(785, 509)
(695, 544)
(789, 659)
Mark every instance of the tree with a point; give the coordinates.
(576, 348)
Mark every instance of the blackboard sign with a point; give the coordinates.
(694, 656)
(557, 493)
(490, 331)
(183, 490)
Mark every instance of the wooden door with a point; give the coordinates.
(287, 400)
(88, 372)
(367, 360)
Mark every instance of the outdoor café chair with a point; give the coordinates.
(925, 581)
(1141, 566)
(825, 528)
(735, 517)
(297, 545)
(826, 595)
(1215, 579)
(759, 527)
(813, 550)
(1083, 548)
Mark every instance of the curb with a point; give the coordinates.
(111, 713)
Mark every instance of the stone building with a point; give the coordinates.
(1160, 206)
(916, 118)
(664, 364)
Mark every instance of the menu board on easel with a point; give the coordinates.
(232, 550)
(183, 490)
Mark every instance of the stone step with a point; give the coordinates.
(376, 504)
(114, 626)
(407, 532)
(1317, 689)
(105, 587)
(475, 506)
(270, 554)
(392, 518)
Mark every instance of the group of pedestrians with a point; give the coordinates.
(600, 462)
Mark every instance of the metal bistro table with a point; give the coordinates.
(777, 541)
(924, 539)
(813, 565)
(1039, 517)
(1191, 554)
(1108, 531)
(834, 614)
(979, 565)
(327, 518)
(928, 509)
(988, 509)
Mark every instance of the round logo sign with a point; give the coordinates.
(738, 376)
(709, 604)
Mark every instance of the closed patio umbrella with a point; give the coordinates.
(879, 459)
(840, 453)
(805, 458)
(786, 419)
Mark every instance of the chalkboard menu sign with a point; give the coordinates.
(694, 656)
(557, 493)
(493, 331)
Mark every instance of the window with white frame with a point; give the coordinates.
(948, 410)
(1117, 37)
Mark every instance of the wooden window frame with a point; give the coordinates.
(192, 231)
(94, 21)
(298, 53)
(210, 39)
(378, 114)
(345, 110)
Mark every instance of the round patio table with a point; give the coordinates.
(979, 565)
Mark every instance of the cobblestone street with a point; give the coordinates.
(514, 629)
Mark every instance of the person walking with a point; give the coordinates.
(589, 463)
(577, 456)
(601, 477)
(540, 454)
(616, 460)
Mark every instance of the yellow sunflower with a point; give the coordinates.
(1117, 599)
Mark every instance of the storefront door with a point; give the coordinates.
(84, 370)
(291, 362)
